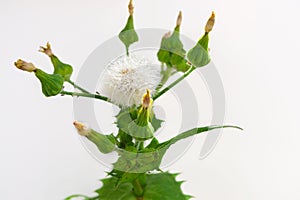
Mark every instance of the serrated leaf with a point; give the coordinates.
(112, 191)
(156, 123)
(163, 186)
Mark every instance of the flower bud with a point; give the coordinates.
(141, 128)
(178, 22)
(128, 35)
(171, 50)
(52, 84)
(103, 143)
(65, 70)
(199, 55)
(82, 129)
(25, 66)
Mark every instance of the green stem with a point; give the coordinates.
(78, 87)
(192, 68)
(139, 145)
(166, 75)
(95, 96)
(138, 190)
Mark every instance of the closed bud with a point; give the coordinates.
(63, 69)
(199, 55)
(178, 22)
(171, 50)
(128, 35)
(82, 129)
(52, 84)
(103, 143)
(141, 128)
(25, 66)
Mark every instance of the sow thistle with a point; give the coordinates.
(133, 84)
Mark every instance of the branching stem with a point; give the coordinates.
(192, 68)
(95, 96)
(78, 87)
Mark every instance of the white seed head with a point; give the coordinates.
(127, 79)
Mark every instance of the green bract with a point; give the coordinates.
(65, 70)
(128, 35)
(52, 84)
(105, 143)
(198, 55)
(171, 50)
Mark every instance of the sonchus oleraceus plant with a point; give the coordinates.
(133, 84)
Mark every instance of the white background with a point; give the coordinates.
(255, 46)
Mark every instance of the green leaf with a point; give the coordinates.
(138, 162)
(128, 35)
(112, 191)
(189, 133)
(65, 70)
(76, 196)
(171, 50)
(52, 84)
(161, 186)
(156, 123)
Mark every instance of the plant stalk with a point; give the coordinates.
(138, 190)
(192, 68)
(78, 87)
(95, 96)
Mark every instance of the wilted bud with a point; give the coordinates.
(47, 50)
(65, 70)
(210, 23)
(25, 66)
(104, 144)
(52, 84)
(128, 35)
(130, 7)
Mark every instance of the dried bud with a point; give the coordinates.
(47, 50)
(130, 7)
(82, 129)
(210, 23)
(146, 100)
(25, 66)
(179, 20)
(104, 143)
